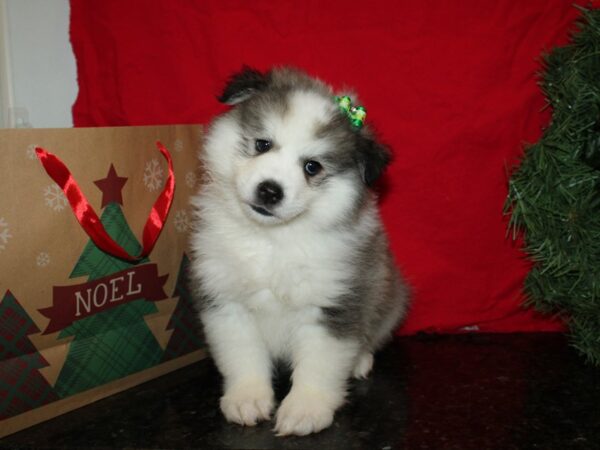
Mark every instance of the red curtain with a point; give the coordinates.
(450, 86)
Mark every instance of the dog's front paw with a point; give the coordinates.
(248, 403)
(303, 412)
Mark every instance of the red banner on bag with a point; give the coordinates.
(72, 303)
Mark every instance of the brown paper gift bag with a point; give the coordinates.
(76, 322)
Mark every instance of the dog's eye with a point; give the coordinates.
(312, 168)
(263, 145)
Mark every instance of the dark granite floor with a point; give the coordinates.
(525, 391)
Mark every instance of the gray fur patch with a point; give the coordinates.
(374, 293)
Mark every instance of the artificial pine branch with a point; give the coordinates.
(554, 195)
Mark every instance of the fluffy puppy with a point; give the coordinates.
(290, 260)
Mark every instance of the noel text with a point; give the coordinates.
(111, 291)
(72, 303)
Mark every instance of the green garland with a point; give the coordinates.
(554, 196)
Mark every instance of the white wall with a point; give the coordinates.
(37, 71)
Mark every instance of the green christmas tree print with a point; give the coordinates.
(116, 342)
(22, 387)
(184, 322)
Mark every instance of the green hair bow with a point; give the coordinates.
(356, 114)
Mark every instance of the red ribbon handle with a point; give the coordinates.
(89, 220)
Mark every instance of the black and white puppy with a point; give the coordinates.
(290, 259)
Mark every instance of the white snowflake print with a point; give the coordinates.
(55, 198)
(182, 221)
(43, 259)
(4, 233)
(153, 175)
(178, 145)
(30, 152)
(191, 179)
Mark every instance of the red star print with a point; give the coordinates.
(111, 187)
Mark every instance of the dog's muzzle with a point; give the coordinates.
(268, 194)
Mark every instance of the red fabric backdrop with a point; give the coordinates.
(451, 86)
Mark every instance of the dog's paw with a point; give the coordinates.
(303, 412)
(248, 403)
(363, 366)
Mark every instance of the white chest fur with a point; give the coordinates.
(259, 270)
(281, 277)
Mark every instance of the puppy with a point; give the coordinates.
(289, 258)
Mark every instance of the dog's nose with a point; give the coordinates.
(269, 192)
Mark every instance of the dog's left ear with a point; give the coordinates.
(372, 158)
(243, 85)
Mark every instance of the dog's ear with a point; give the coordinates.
(243, 85)
(372, 158)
